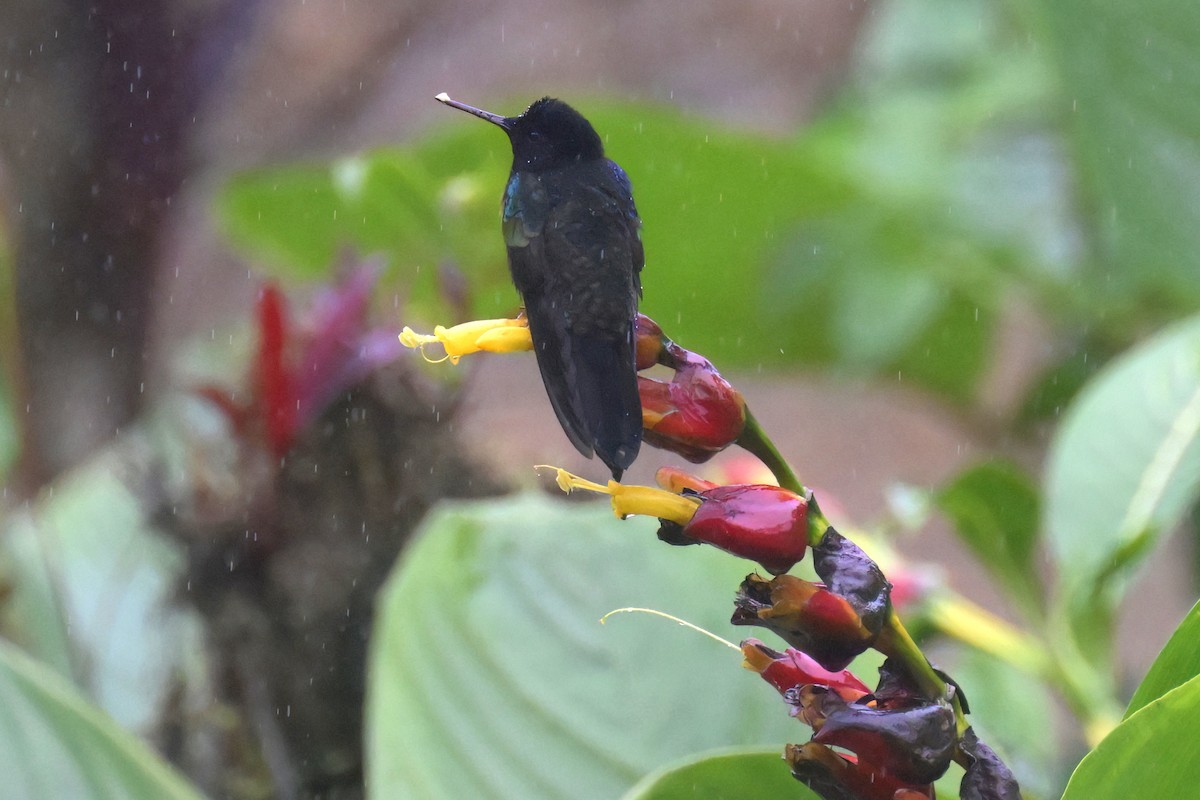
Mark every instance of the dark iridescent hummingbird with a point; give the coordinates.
(575, 253)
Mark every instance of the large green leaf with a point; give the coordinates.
(1123, 468)
(1130, 86)
(724, 775)
(91, 588)
(994, 508)
(1152, 754)
(490, 676)
(54, 745)
(1178, 663)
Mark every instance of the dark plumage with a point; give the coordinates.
(575, 252)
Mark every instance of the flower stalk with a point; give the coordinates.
(754, 440)
(890, 744)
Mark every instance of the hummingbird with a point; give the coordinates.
(575, 253)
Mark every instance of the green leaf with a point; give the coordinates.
(91, 591)
(1178, 663)
(1130, 84)
(1151, 754)
(1123, 469)
(717, 206)
(723, 775)
(289, 218)
(1058, 386)
(865, 287)
(54, 745)
(994, 508)
(949, 354)
(490, 676)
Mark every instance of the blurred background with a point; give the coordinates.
(908, 231)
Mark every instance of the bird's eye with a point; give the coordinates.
(535, 135)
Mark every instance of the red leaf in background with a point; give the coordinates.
(276, 390)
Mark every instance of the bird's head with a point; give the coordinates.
(547, 135)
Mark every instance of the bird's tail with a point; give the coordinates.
(592, 384)
(608, 389)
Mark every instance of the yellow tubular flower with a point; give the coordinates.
(633, 500)
(481, 335)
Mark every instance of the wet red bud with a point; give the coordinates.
(793, 668)
(836, 777)
(915, 744)
(766, 524)
(850, 574)
(697, 415)
(806, 615)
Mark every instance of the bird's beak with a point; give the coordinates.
(495, 119)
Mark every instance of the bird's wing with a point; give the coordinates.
(576, 262)
(592, 247)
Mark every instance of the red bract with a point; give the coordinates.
(794, 668)
(766, 524)
(276, 389)
(833, 776)
(915, 744)
(698, 413)
(806, 615)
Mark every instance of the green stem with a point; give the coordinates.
(755, 441)
(895, 642)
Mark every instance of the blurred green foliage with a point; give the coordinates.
(55, 745)
(995, 508)
(964, 162)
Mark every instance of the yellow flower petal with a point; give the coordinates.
(653, 502)
(628, 500)
(488, 335)
(505, 340)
